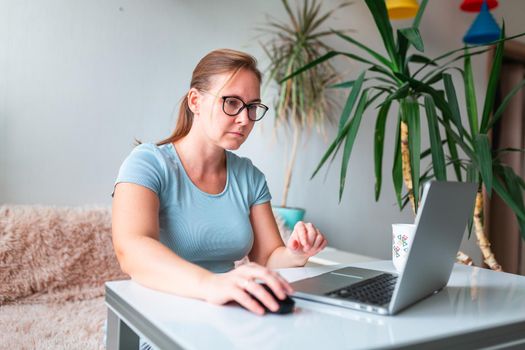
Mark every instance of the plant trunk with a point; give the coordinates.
(464, 258)
(405, 161)
(483, 242)
(291, 163)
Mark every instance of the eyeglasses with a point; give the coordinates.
(233, 105)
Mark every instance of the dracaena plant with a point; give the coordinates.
(418, 83)
(302, 102)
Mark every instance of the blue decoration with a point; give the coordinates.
(484, 29)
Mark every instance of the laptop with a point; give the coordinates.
(440, 223)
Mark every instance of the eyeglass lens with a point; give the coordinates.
(233, 106)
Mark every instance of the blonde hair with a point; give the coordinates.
(214, 63)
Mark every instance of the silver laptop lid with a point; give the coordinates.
(441, 222)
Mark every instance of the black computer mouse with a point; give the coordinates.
(285, 306)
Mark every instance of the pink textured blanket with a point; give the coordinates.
(53, 265)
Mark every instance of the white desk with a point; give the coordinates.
(333, 256)
(479, 308)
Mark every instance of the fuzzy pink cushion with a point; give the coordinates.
(55, 254)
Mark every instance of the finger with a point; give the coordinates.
(294, 244)
(303, 236)
(323, 245)
(245, 300)
(312, 233)
(300, 230)
(278, 285)
(287, 287)
(263, 296)
(318, 241)
(284, 286)
(243, 283)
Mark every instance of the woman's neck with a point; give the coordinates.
(199, 157)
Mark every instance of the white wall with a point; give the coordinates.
(79, 80)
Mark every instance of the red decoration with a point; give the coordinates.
(475, 5)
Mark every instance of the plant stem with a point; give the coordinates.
(291, 162)
(464, 258)
(483, 242)
(405, 161)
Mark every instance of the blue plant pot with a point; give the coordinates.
(289, 215)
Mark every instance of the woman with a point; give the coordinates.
(185, 209)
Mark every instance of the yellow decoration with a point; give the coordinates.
(400, 9)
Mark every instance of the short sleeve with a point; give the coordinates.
(260, 187)
(143, 167)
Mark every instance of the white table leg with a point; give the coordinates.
(119, 335)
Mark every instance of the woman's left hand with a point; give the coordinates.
(306, 240)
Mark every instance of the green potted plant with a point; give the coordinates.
(302, 102)
(415, 81)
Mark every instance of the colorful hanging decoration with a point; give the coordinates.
(484, 29)
(401, 9)
(475, 5)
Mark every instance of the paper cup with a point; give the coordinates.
(402, 237)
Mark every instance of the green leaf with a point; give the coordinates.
(503, 105)
(452, 148)
(413, 37)
(382, 59)
(450, 92)
(457, 140)
(419, 14)
(350, 101)
(428, 151)
(343, 85)
(483, 152)
(512, 182)
(438, 156)
(373, 98)
(331, 148)
(334, 146)
(450, 53)
(385, 72)
(350, 138)
(472, 173)
(402, 48)
(507, 198)
(435, 78)
(470, 96)
(439, 100)
(401, 76)
(415, 58)
(379, 138)
(380, 15)
(414, 144)
(400, 93)
(493, 82)
(444, 66)
(472, 176)
(397, 169)
(325, 57)
(470, 224)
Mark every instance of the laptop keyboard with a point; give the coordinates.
(375, 291)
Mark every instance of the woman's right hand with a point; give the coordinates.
(238, 284)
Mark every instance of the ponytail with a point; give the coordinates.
(184, 122)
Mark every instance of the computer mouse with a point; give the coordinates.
(285, 306)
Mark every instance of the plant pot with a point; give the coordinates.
(289, 215)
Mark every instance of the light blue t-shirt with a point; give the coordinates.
(211, 230)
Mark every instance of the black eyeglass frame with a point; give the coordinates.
(244, 105)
